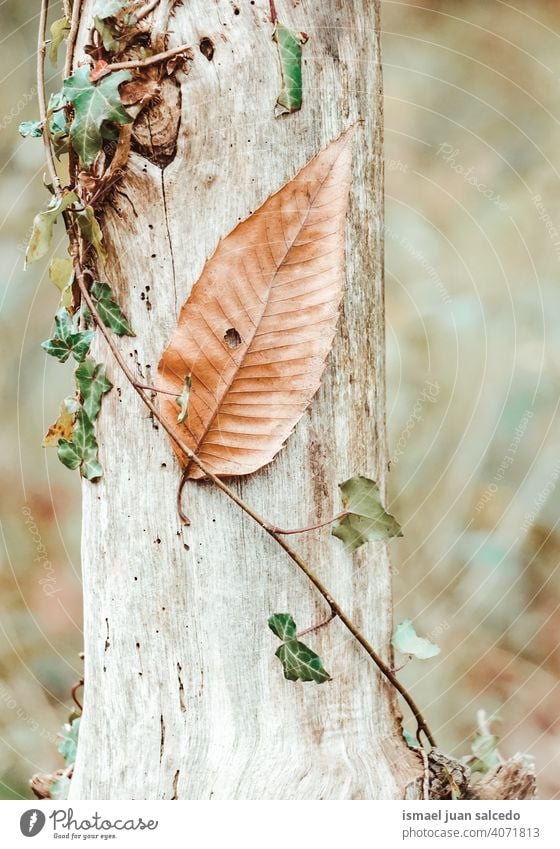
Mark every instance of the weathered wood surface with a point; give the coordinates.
(184, 697)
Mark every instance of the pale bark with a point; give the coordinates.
(184, 697)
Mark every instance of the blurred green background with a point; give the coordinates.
(473, 259)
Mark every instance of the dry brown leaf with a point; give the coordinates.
(259, 324)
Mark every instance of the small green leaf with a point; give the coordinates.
(69, 741)
(59, 31)
(91, 231)
(109, 8)
(60, 789)
(485, 753)
(61, 273)
(67, 339)
(366, 517)
(108, 309)
(92, 382)
(183, 400)
(43, 226)
(63, 428)
(300, 663)
(283, 625)
(33, 129)
(94, 104)
(406, 641)
(410, 741)
(289, 50)
(105, 30)
(81, 451)
(57, 124)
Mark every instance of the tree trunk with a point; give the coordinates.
(184, 698)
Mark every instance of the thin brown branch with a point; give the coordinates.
(273, 12)
(74, 691)
(311, 527)
(42, 98)
(135, 64)
(145, 10)
(154, 389)
(422, 726)
(313, 628)
(72, 36)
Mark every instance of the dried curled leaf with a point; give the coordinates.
(259, 324)
(365, 518)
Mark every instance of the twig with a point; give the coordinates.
(422, 726)
(313, 628)
(41, 96)
(75, 689)
(154, 389)
(133, 64)
(426, 775)
(273, 12)
(145, 10)
(72, 36)
(402, 666)
(311, 527)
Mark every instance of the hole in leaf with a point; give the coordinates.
(232, 338)
(207, 48)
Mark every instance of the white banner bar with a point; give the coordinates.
(277, 825)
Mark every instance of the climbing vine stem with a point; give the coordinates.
(83, 273)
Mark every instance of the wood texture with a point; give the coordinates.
(184, 697)
(255, 332)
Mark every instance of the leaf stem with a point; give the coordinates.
(154, 389)
(311, 527)
(273, 12)
(313, 628)
(336, 609)
(134, 64)
(41, 95)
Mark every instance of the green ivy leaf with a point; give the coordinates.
(67, 339)
(33, 129)
(59, 31)
(109, 311)
(93, 384)
(283, 625)
(366, 517)
(60, 789)
(300, 663)
(57, 124)
(61, 273)
(406, 641)
(81, 451)
(94, 104)
(109, 8)
(289, 50)
(63, 428)
(182, 400)
(43, 226)
(69, 741)
(91, 231)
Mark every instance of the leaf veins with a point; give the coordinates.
(259, 324)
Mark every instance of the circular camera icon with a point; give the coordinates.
(32, 822)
